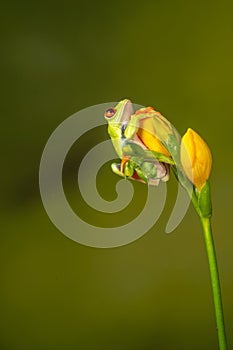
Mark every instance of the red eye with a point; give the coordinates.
(109, 113)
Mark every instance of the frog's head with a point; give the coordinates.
(118, 118)
(119, 114)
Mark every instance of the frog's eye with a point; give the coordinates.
(109, 113)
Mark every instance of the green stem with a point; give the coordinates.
(206, 225)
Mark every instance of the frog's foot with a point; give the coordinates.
(116, 168)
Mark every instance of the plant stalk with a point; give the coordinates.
(209, 243)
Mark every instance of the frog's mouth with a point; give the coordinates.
(126, 112)
(125, 115)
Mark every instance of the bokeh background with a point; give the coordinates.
(57, 58)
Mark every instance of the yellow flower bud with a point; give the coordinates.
(196, 158)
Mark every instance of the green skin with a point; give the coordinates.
(122, 129)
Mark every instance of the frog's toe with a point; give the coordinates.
(116, 168)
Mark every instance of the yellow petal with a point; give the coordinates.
(146, 134)
(196, 158)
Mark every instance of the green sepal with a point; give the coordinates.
(204, 201)
(163, 158)
(173, 146)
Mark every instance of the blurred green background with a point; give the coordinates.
(57, 58)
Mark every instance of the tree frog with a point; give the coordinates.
(137, 160)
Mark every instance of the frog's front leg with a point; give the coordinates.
(131, 128)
